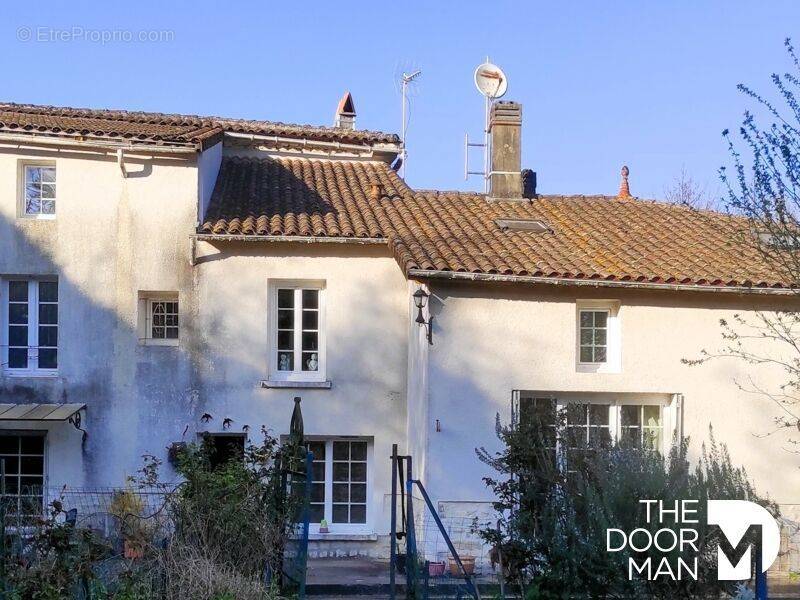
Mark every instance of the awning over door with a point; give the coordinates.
(38, 412)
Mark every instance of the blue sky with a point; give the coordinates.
(647, 84)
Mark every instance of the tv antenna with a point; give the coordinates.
(492, 83)
(405, 80)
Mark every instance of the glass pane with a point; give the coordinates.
(586, 337)
(317, 492)
(48, 191)
(586, 354)
(285, 361)
(12, 485)
(12, 464)
(599, 437)
(32, 444)
(17, 358)
(286, 340)
(18, 291)
(33, 174)
(18, 313)
(172, 333)
(32, 465)
(318, 448)
(310, 298)
(318, 471)
(630, 437)
(341, 472)
(340, 513)
(47, 174)
(341, 492)
(598, 414)
(310, 340)
(9, 444)
(358, 471)
(30, 485)
(358, 450)
(600, 319)
(652, 438)
(32, 201)
(17, 335)
(48, 291)
(599, 337)
(341, 450)
(358, 492)
(630, 415)
(48, 207)
(652, 416)
(600, 354)
(285, 319)
(358, 513)
(310, 361)
(48, 358)
(158, 332)
(48, 336)
(285, 298)
(586, 318)
(576, 413)
(310, 319)
(48, 314)
(316, 513)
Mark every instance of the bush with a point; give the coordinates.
(555, 513)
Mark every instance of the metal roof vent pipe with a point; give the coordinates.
(345, 113)
(505, 127)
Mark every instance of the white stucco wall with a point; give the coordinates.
(489, 341)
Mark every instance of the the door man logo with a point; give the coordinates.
(737, 519)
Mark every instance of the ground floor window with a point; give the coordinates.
(224, 447)
(574, 425)
(22, 462)
(339, 481)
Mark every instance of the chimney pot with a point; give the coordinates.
(345, 113)
(505, 126)
(624, 189)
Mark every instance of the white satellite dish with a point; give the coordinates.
(491, 81)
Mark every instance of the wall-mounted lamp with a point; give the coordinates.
(420, 300)
(438, 426)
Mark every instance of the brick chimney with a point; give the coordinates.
(345, 113)
(505, 126)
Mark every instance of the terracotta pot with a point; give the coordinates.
(132, 550)
(436, 569)
(467, 561)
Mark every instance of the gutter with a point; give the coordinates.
(212, 237)
(37, 140)
(597, 283)
(369, 149)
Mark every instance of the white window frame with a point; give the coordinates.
(145, 321)
(297, 375)
(613, 363)
(668, 409)
(45, 443)
(345, 528)
(33, 369)
(22, 182)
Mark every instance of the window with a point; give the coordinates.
(598, 347)
(593, 336)
(569, 425)
(298, 352)
(23, 458)
(159, 318)
(224, 447)
(31, 313)
(339, 489)
(39, 191)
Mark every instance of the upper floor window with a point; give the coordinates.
(31, 314)
(297, 348)
(39, 190)
(598, 336)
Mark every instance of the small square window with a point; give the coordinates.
(159, 319)
(598, 336)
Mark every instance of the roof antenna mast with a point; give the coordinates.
(492, 84)
(405, 80)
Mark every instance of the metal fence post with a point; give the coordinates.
(306, 516)
(411, 536)
(393, 531)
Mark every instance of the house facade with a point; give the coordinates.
(165, 277)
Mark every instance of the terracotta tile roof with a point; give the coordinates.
(592, 237)
(299, 196)
(164, 128)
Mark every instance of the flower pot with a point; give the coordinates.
(436, 569)
(467, 561)
(132, 550)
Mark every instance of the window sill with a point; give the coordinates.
(170, 343)
(596, 368)
(296, 385)
(30, 374)
(340, 537)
